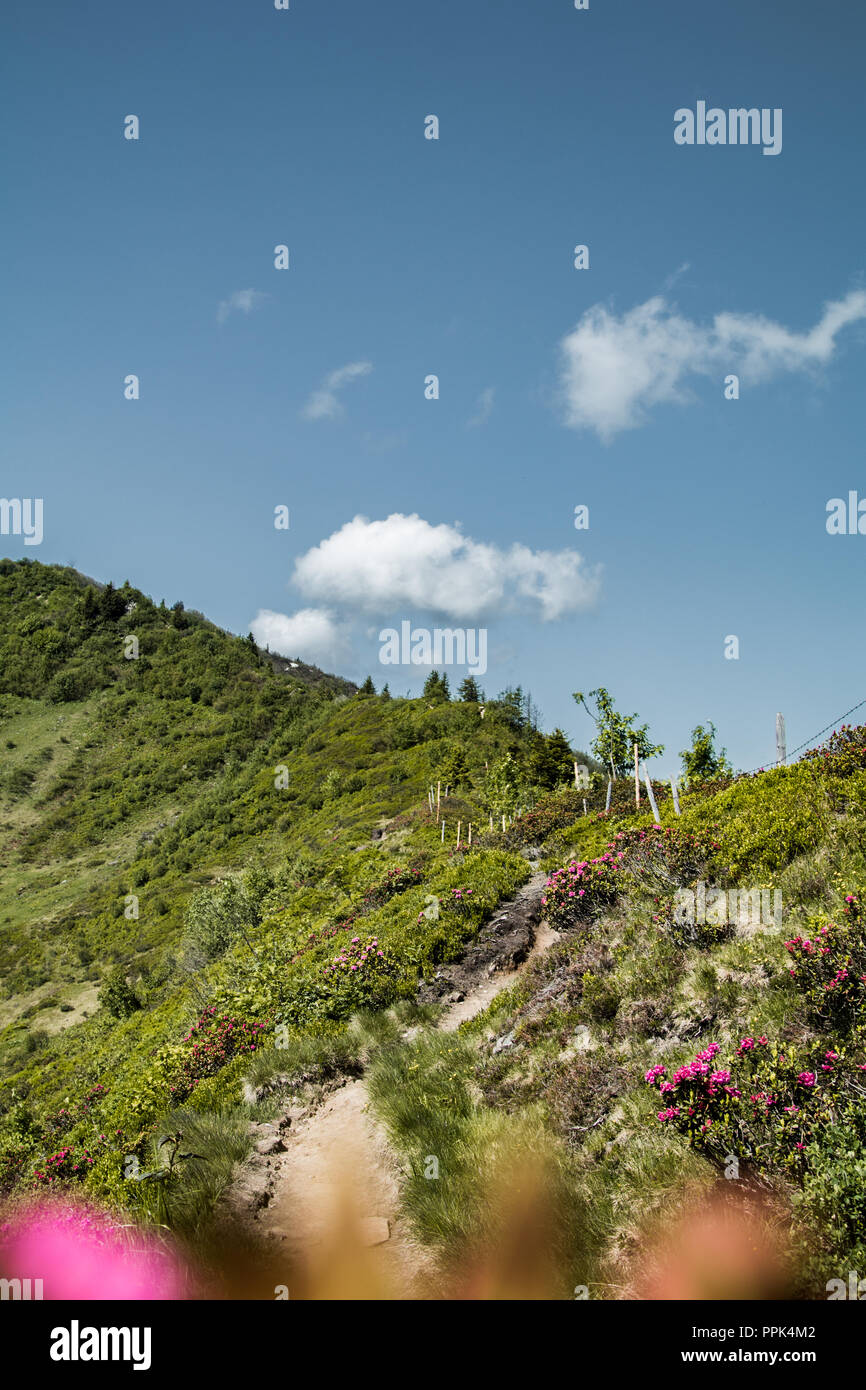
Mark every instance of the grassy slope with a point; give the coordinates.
(617, 996)
(156, 776)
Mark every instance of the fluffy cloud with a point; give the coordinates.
(324, 403)
(242, 301)
(404, 562)
(613, 369)
(312, 634)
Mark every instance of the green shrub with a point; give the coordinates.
(117, 995)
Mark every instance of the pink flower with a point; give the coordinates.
(81, 1254)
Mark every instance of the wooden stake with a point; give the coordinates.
(636, 779)
(675, 795)
(443, 833)
(584, 805)
(491, 822)
(609, 790)
(652, 800)
(503, 824)
(438, 799)
(459, 823)
(470, 832)
(781, 749)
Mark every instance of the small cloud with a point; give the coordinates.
(312, 634)
(244, 301)
(614, 368)
(484, 408)
(670, 280)
(324, 403)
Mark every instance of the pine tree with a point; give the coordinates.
(436, 687)
(90, 611)
(551, 761)
(454, 769)
(561, 756)
(111, 604)
(368, 688)
(470, 692)
(511, 701)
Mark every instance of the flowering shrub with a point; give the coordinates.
(361, 975)
(664, 857)
(551, 812)
(844, 752)
(763, 1104)
(68, 1115)
(71, 1164)
(656, 857)
(395, 881)
(574, 893)
(216, 1039)
(830, 970)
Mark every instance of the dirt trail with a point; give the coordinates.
(484, 994)
(335, 1189)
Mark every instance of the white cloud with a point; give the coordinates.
(671, 280)
(484, 407)
(244, 301)
(312, 634)
(404, 562)
(614, 369)
(324, 403)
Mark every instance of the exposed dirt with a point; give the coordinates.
(328, 1193)
(501, 946)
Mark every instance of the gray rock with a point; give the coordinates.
(272, 1144)
(263, 1129)
(507, 1040)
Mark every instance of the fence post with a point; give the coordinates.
(675, 795)
(442, 837)
(636, 779)
(781, 749)
(438, 798)
(609, 790)
(652, 800)
(459, 823)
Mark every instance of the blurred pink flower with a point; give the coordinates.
(80, 1252)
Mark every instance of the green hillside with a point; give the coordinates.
(215, 860)
(158, 811)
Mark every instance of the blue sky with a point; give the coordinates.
(454, 256)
